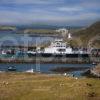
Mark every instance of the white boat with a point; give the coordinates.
(58, 47)
(30, 71)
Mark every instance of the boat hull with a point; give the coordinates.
(58, 55)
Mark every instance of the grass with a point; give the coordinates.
(25, 86)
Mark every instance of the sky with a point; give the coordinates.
(56, 12)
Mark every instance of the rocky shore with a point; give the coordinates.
(94, 72)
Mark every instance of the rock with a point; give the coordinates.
(87, 72)
(91, 94)
(88, 84)
(96, 71)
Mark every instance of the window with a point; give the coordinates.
(61, 50)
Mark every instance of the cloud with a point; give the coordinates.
(31, 1)
(51, 11)
(91, 3)
(16, 17)
(69, 9)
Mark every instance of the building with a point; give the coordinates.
(65, 33)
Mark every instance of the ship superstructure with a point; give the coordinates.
(58, 47)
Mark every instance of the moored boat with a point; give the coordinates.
(59, 48)
(12, 68)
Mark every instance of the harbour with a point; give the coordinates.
(50, 50)
(45, 54)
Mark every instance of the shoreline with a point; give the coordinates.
(42, 62)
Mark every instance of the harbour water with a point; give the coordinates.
(44, 68)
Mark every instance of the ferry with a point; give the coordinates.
(58, 48)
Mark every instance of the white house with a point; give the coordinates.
(64, 32)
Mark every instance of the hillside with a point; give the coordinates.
(7, 28)
(89, 33)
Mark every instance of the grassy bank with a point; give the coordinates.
(7, 28)
(21, 86)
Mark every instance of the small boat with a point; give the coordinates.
(12, 68)
(94, 63)
(1, 71)
(30, 71)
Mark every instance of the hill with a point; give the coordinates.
(7, 28)
(89, 33)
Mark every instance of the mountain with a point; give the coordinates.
(89, 33)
